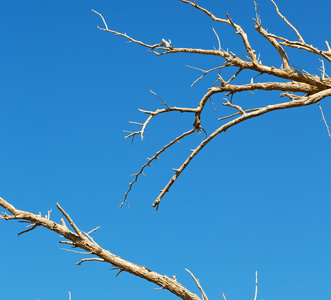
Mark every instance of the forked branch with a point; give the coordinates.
(311, 88)
(79, 240)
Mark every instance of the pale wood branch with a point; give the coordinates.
(255, 295)
(297, 80)
(277, 46)
(204, 296)
(152, 114)
(89, 259)
(323, 119)
(288, 23)
(154, 158)
(300, 82)
(303, 101)
(81, 241)
(73, 225)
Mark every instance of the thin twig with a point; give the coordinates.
(204, 72)
(218, 39)
(237, 107)
(323, 119)
(255, 286)
(30, 229)
(71, 222)
(236, 114)
(204, 296)
(89, 259)
(154, 158)
(93, 230)
(78, 252)
(66, 242)
(159, 98)
(152, 114)
(288, 23)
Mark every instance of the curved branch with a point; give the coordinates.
(152, 114)
(305, 100)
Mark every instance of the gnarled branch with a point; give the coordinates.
(311, 88)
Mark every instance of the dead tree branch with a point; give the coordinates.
(255, 296)
(77, 239)
(154, 158)
(305, 100)
(204, 296)
(323, 119)
(300, 87)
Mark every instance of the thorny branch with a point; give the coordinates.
(78, 240)
(313, 87)
(154, 158)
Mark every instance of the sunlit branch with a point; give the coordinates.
(303, 101)
(297, 81)
(78, 240)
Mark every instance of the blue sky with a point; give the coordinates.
(257, 198)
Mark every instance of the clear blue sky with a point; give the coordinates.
(257, 198)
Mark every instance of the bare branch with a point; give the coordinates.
(312, 89)
(303, 46)
(30, 229)
(74, 251)
(103, 20)
(255, 296)
(208, 13)
(93, 230)
(236, 114)
(154, 158)
(237, 107)
(288, 23)
(204, 72)
(158, 46)
(67, 243)
(159, 98)
(244, 37)
(323, 119)
(80, 241)
(323, 70)
(89, 259)
(275, 43)
(308, 100)
(218, 39)
(234, 75)
(204, 296)
(73, 225)
(299, 81)
(152, 114)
